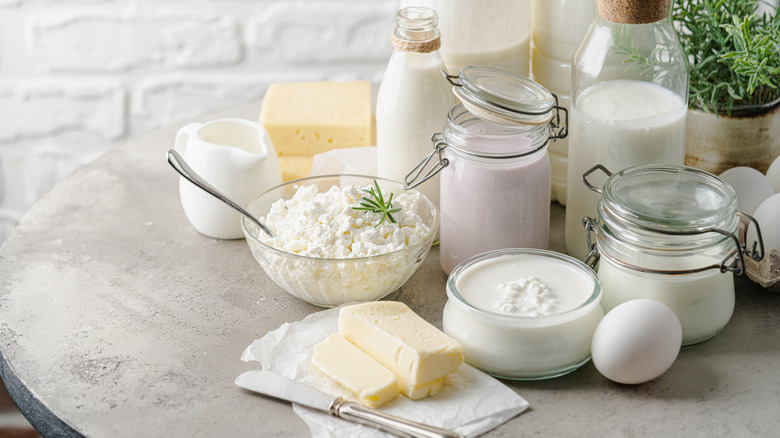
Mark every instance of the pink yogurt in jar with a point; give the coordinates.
(495, 187)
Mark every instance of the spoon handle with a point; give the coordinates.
(177, 162)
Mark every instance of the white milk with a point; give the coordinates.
(618, 124)
(702, 301)
(558, 29)
(508, 344)
(412, 104)
(494, 32)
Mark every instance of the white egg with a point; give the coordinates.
(636, 341)
(767, 215)
(751, 185)
(773, 174)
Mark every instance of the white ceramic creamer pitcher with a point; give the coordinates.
(238, 158)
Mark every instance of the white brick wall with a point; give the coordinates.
(78, 77)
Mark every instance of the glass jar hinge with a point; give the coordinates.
(439, 143)
(452, 79)
(757, 248)
(593, 256)
(558, 130)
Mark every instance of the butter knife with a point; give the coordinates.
(277, 386)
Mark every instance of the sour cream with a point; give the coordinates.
(522, 313)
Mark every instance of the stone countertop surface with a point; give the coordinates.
(119, 319)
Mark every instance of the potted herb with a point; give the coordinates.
(734, 87)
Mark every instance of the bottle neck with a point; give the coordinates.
(416, 30)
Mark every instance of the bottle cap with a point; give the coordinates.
(633, 11)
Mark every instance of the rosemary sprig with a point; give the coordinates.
(376, 203)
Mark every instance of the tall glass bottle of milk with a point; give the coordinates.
(558, 29)
(484, 32)
(629, 100)
(414, 98)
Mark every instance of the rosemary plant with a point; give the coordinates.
(734, 54)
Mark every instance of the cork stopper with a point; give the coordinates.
(634, 11)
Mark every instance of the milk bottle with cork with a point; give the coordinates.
(558, 28)
(629, 100)
(413, 98)
(483, 32)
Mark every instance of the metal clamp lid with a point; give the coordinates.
(505, 98)
(737, 266)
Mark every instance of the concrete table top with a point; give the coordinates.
(117, 319)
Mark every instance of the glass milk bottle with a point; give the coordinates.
(558, 29)
(485, 32)
(413, 98)
(629, 100)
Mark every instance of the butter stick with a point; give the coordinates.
(415, 351)
(373, 384)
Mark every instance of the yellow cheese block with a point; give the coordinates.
(307, 118)
(353, 369)
(414, 350)
(295, 167)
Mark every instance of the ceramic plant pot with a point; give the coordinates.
(750, 136)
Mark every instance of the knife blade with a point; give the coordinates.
(278, 386)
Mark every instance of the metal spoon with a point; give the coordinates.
(177, 162)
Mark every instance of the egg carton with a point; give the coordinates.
(766, 272)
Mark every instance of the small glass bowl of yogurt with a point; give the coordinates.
(327, 253)
(523, 314)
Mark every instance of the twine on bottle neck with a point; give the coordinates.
(403, 45)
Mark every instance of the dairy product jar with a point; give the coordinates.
(669, 233)
(523, 314)
(629, 100)
(493, 164)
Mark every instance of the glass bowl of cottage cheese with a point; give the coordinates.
(327, 250)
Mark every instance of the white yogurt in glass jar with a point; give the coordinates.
(702, 301)
(523, 314)
(669, 233)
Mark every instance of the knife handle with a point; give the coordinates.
(389, 423)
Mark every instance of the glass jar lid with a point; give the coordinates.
(502, 97)
(669, 198)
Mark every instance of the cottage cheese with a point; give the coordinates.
(324, 227)
(526, 296)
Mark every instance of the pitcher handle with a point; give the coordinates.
(183, 136)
